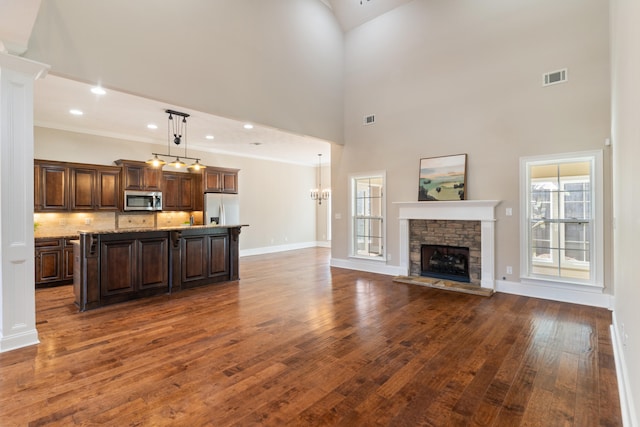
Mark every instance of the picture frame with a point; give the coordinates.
(443, 178)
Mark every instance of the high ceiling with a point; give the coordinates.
(122, 115)
(352, 13)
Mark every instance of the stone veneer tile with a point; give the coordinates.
(445, 232)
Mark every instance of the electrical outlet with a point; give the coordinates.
(509, 212)
(87, 221)
(509, 269)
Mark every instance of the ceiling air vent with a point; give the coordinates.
(369, 120)
(555, 77)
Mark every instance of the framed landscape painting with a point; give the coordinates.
(443, 178)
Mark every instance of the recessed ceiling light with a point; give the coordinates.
(209, 137)
(248, 126)
(76, 112)
(98, 90)
(152, 126)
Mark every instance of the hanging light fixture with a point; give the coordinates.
(176, 132)
(319, 194)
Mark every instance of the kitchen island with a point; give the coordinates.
(120, 265)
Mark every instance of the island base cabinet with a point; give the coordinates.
(205, 259)
(135, 267)
(114, 267)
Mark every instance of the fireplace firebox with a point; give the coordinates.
(445, 262)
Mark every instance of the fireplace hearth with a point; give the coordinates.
(445, 262)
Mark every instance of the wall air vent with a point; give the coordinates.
(555, 77)
(369, 119)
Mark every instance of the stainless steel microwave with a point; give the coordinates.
(142, 200)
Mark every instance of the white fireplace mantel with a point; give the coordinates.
(458, 210)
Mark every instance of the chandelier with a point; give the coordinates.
(319, 194)
(178, 128)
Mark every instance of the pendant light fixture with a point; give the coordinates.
(176, 132)
(319, 194)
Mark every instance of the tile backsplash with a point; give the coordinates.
(68, 224)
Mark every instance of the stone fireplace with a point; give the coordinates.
(468, 224)
(452, 237)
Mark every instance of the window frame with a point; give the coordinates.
(353, 215)
(596, 246)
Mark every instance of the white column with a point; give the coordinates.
(17, 287)
(405, 262)
(487, 254)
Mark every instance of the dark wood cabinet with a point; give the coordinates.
(83, 185)
(133, 265)
(179, 191)
(108, 189)
(67, 261)
(205, 258)
(115, 267)
(53, 262)
(53, 187)
(220, 180)
(63, 187)
(140, 176)
(48, 263)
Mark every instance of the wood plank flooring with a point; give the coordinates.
(298, 343)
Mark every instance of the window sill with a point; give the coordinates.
(367, 258)
(575, 285)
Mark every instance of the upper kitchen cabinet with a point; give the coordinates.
(83, 183)
(179, 191)
(220, 180)
(94, 188)
(140, 176)
(61, 187)
(52, 186)
(108, 190)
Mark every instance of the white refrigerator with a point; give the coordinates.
(221, 209)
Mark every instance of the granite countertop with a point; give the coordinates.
(55, 236)
(173, 228)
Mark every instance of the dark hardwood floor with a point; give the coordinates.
(297, 343)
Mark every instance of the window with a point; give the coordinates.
(562, 218)
(367, 213)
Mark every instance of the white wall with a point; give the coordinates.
(626, 146)
(274, 196)
(448, 77)
(273, 62)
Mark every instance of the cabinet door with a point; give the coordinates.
(153, 262)
(54, 188)
(212, 180)
(218, 255)
(186, 187)
(133, 177)
(108, 190)
(48, 265)
(194, 258)
(152, 179)
(170, 192)
(118, 267)
(230, 182)
(83, 183)
(67, 271)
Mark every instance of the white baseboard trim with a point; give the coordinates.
(15, 341)
(283, 248)
(624, 389)
(595, 299)
(368, 266)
